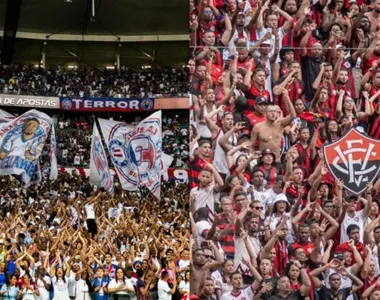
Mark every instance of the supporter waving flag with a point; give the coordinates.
(53, 156)
(99, 171)
(21, 143)
(136, 152)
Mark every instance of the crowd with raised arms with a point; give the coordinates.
(87, 82)
(69, 240)
(272, 82)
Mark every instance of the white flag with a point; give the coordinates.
(53, 155)
(5, 117)
(21, 143)
(100, 174)
(136, 152)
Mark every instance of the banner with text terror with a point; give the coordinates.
(354, 159)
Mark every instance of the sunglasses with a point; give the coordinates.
(259, 207)
(209, 256)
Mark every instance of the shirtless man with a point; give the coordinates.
(374, 16)
(202, 267)
(270, 132)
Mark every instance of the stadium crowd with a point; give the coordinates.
(126, 82)
(272, 82)
(74, 136)
(69, 240)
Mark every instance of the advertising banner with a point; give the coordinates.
(106, 104)
(29, 101)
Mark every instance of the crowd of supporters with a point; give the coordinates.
(123, 83)
(272, 82)
(69, 240)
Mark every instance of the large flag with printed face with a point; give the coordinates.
(100, 174)
(53, 155)
(21, 143)
(136, 152)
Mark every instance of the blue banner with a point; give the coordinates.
(106, 104)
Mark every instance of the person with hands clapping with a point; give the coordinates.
(119, 287)
(335, 281)
(100, 285)
(29, 289)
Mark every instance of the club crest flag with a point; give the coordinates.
(136, 152)
(100, 174)
(21, 143)
(354, 159)
(53, 155)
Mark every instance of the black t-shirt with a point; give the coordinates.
(260, 233)
(294, 295)
(272, 291)
(326, 294)
(310, 71)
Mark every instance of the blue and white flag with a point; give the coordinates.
(21, 143)
(136, 152)
(53, 155)
(100, 174)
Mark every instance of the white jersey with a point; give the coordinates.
(375, 259)
(220, 157)
(202, 228)
(16, 145)
(201, 125)
(44, 293)
(241, 252)
(82, 290)
(358, 219)
(274, 220)
(246, 294)
(90, 211)
(204, 197)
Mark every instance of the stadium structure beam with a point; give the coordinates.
(78, 57)
(102, 38)
(12, 14)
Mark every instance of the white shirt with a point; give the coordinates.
(358, 219)
(72, 284)
(204, 197)
(245, 294)
(163, 290)
(114, 284)
(28, 294)
(202, 227)
(44, 294)
(185, 286)
(82, 291)
(77, 160)
(132, 282)
(61, 291)
(90, 211)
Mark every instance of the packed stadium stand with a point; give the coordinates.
(77, 62)
(285, 121)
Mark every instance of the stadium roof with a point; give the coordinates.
(145, 29)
